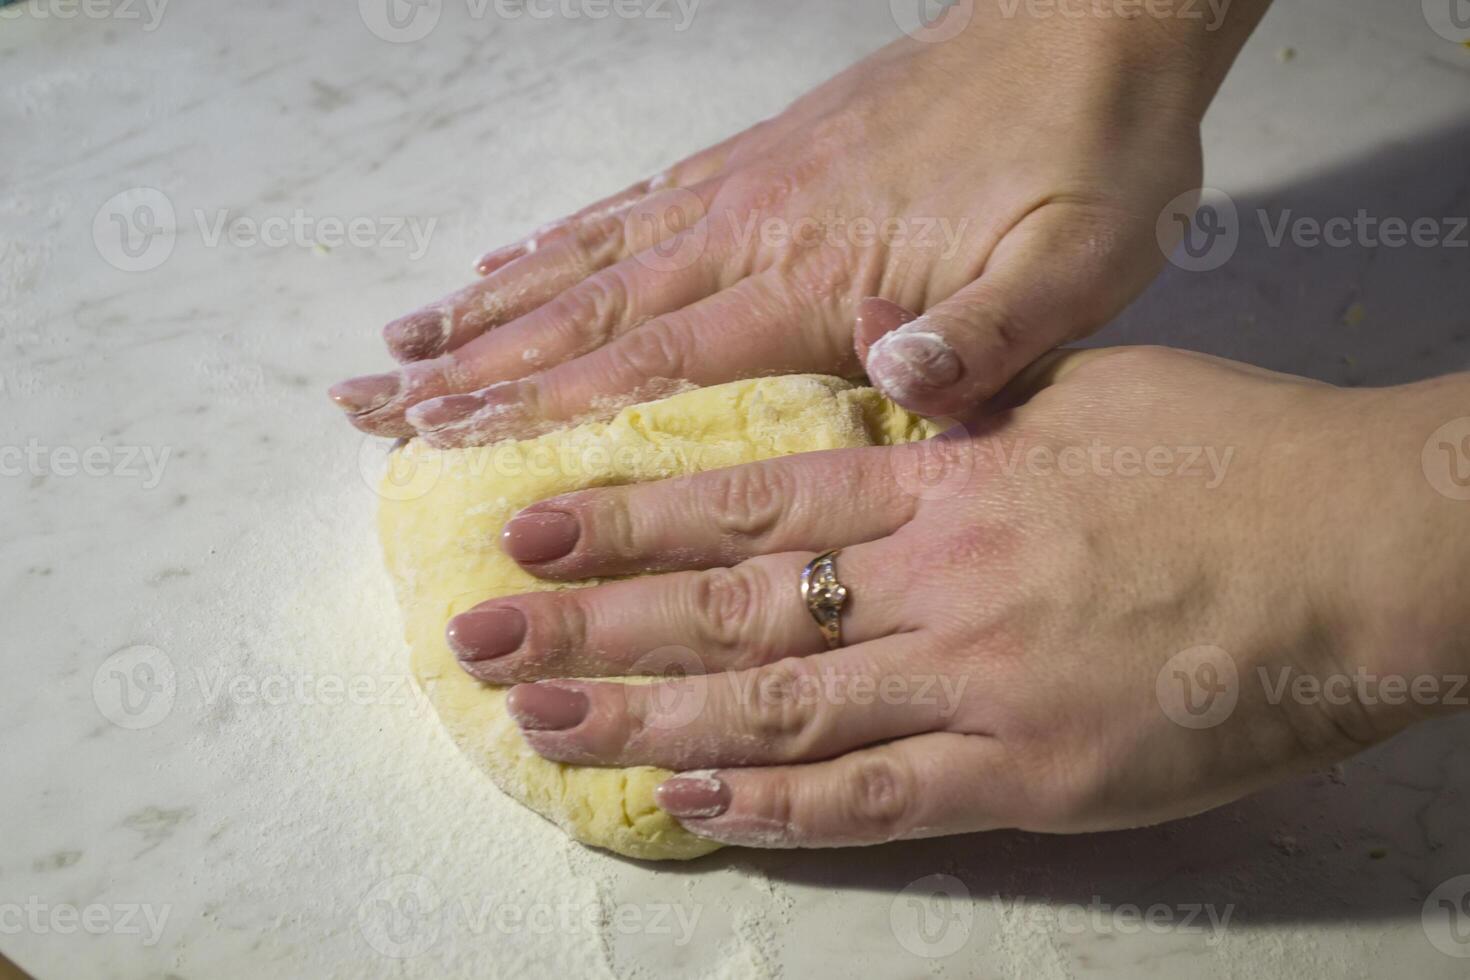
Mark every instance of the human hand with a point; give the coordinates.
(1005, 182)
(1048, 609)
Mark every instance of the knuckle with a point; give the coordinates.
(882, 800)
(783, 712)
(748, 502)
(592, 311)
(566, 627)
(657, 349)
(607, 519)
(725, 601)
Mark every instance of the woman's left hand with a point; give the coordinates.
(1071, 616)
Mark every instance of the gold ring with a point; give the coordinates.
(825, 596)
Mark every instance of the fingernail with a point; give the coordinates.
(693, 795)
(436, 413)
(419, 335)
(498, 258)
(546, 707)
(541, 537)
(910, 360)
(484, 634)
(366, 394)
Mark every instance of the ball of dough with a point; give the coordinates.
(440, 522)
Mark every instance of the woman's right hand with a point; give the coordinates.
(1005, 183)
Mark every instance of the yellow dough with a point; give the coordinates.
(440, 523)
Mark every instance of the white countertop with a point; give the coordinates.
(274, 796)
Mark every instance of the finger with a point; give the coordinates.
(800, 709)
(587, 315)
(716, 620)
(760, 326)
(688, 172)
(929, 785)
(1057, 276)
(531, 274)
(808, 502)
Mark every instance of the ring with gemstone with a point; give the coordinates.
(825, 596)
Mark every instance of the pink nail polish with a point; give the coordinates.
(546, 707)
(419, 335)
(499, 258)
(693, 795)
(366, 394)
(485, 634)
(912, 361)
(436, 413)
(543, 537)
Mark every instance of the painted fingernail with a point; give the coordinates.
(484, 634)
(909, 361)
(693, 795)
(436, 413)
(419, 335)
(500, 257)
(535, 538)
(365, 394)
(546, 707)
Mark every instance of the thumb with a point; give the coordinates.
(1057, 276)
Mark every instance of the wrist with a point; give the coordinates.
(1405, 559)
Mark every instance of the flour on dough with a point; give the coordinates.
(440, 523)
